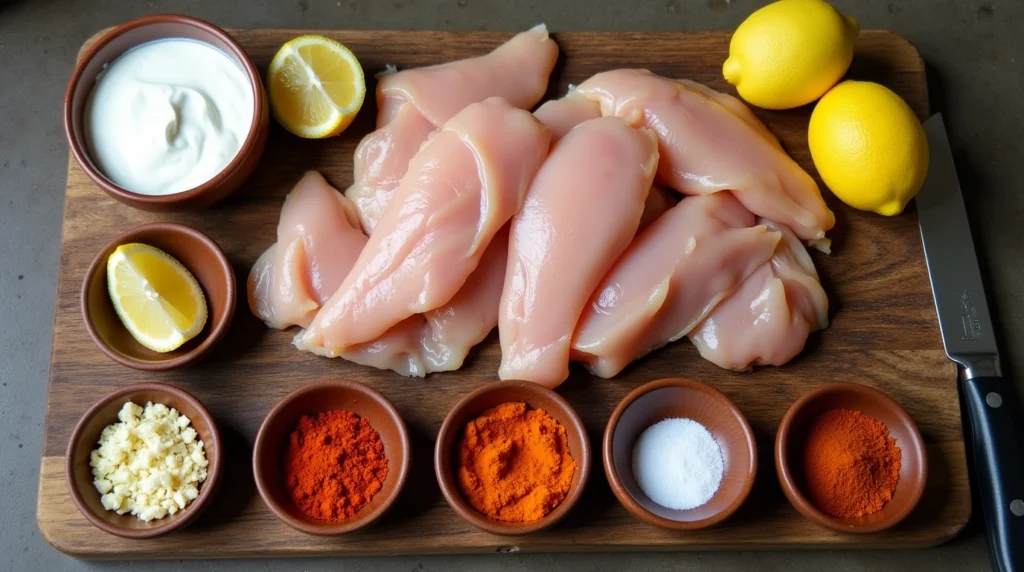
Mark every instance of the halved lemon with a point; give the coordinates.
(157, 298)
(316, 87)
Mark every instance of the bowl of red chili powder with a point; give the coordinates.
(849, 458)
(331, 457)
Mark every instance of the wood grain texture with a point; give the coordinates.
(884, 333)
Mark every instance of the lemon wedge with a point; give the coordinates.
(157, 298)
(316, 87)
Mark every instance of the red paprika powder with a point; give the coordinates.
(334, 463)
(851, 464)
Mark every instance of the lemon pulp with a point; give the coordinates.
(316, 86)
(158, 300)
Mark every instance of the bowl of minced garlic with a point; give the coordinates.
(144, 461)
(512, 458)
(849, 458)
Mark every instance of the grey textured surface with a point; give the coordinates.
(974, 49)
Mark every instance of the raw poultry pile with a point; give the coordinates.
(562, 227)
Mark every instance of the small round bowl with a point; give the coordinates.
(87, 433)
(790, 439)
(201, 256)
(140, 31)
(671, 398)
(486, 397)
(330, 395)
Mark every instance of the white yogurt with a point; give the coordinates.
(167, 116)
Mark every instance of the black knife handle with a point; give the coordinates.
(999, 465)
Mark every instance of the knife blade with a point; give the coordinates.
(968, 337)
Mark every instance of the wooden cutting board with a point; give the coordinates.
(884, 333)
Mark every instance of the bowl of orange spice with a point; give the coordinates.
(849, 458)
(512, 458)
(331, 457)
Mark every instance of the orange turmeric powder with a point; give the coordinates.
(514, 463)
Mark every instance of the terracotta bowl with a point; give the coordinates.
(330, 395)
(791, 436)
(669, 398)
(201, 256)
(87, 433)
(140, 31)
(478, 401)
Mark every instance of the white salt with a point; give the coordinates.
(678, 464)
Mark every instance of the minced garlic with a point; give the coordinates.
(150, 463)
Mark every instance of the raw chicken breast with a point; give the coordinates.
(381, 159)
(318, 240)
(398, 349)
(669, 279)
(441, 339)
(580, 213)
(561, 115)
(463, 185)
(710, 142)
(659, 200)
(321, 231)
(413, 103)
(767, 320)
(452, 330)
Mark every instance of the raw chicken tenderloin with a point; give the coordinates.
(323, 239)
(398, 349)
(768, 319)
(659, 201)
(452, 330)
(670, 278)
(708, 145)
(441, 339)
(318, 240)
(415, 102)
(561, 115)
(463, 185)
(580, 213)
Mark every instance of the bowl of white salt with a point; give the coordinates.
(679, 454)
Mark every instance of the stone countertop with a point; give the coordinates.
(974, 50)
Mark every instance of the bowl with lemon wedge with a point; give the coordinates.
(158, 296)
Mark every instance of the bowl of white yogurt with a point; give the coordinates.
(166, 113)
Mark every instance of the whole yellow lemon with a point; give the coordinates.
(789, 53)
(868, 147)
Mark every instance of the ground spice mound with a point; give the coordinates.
(851, 464)
(514, 463)
(334, 464)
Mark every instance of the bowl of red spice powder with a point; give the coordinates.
(331, 457)
(512, 457)
(849, 458)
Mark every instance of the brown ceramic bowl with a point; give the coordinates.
(791, 436)
(140, 31)
(330, 395)
(670, 398)
(201, 256)
(478, 401)
(87, 433)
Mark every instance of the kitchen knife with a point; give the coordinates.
(968, 337)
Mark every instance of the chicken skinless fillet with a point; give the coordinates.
(673, 274)
(581, 211)
(462, 186)
(711, 142)
(768, 319)
(413, 103)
